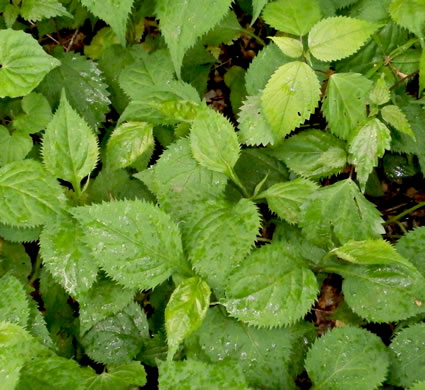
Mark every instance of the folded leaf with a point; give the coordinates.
(380, 94)
(14, 146)
(291, 47)
(37, 114)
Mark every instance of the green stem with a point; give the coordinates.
(232, 175)
(36, 270)
(252, 35)
(404, 213)
(77, 187)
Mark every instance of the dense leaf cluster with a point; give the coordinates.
(176, 238)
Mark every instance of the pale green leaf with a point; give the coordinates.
(412, 247)
(347, 358)
(84, 86)
(253, 126)
(257, 7)
(128, 143)
(285, 199)
(28, 195)
(23, 63)
(291, 47)
(10, 15)
(418, 386)
(178, 180)
(312, 153)
(409, 14)
(70, 150)
(218, 235)
(293, 17)
(344, 105)
(37, 114)
(322, 222)
(35, 10)
(66, 256)
(408, 356)
(369, 144)
(263, 354)
(380, 94)
(37, 326)
(195, 375)
(14, 147)
(271, 288)
(104, 299)
(19, 234)
(136, 243)
(335, 38)
(182, 22)
(14, 260)
(13, 301)
(214, 142)
(396, 118)
(118, 338)
(103, 39)
(118, 377)
(185, 311)
(422, 72)
(113, 12)
(290, 97)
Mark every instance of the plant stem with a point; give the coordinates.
(252, 35)
(405, 212)
(232, 175)
(36, 270)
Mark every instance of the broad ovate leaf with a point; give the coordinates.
(347, 358)
(185, 311)
(291, 47)
(23, 63)
(380, 94)
(70, 150)
(66, 256)
(408, 356)
(28, 194)
(409, 14)
(286, 198)
(396, 118)
(313, 154)
(290, 97)
(338, 37)
(271, 288)
(35, 10)
(344, 105)
(14, 146)
(113, 12)
(129, 142)
(293, 17)
(368, 145)
(136, 243)
(182, 22)
(322, 222)
(214, 142)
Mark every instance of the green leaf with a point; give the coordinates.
(128, 143)
(409, 14)
(322, 224)
(118, 377)
(397, 119)
(271, 288)
(347, 358)
(412, 247)
(136, 243)
(291, 47)
(408, 356)
(418, 386)
(113, 12)
(290, 97)
(179, 181)
(70, 150)
(66, 256)
(14, 260)
(185, 311)
(295, 18)
(214, 142)
(285, 199)
(422, 73)
(218, 235)
(118, 338)
(195, 375)
(335, 38)
(345, 102)
(13, 301)
(103, 39)
(263, 354)
(104, 299)
(51, 372)
(19, 234)
(35, 10)
(37, 114)
(37, 326)
(15, 146)
(28, 195)
(312, 153)
(380, 94)
(84, 86)
(368, 145)
(257, 6)
(253, 126)
(183, 22)
(23, 63)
